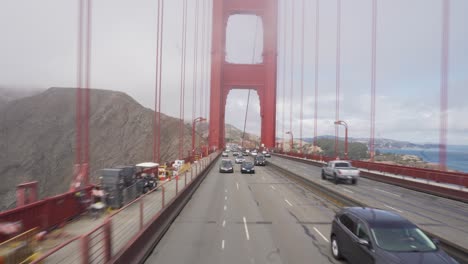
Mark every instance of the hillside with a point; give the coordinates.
(233, 135)
(37, 138)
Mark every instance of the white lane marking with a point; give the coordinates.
(324, 238)
(237, 185)
(225, 208)
(225, 190)
(393, 208)
(346, 190)
(224, 223)
(222, 244)
(273, 187)
(225, 198)
(246, 229)
(286, 200)
(397, 195)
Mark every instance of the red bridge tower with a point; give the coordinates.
(260, 77)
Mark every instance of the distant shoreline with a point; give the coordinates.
(457, 156)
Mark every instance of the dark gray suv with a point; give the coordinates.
(368, 235)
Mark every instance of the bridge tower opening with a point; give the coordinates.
(226, 76)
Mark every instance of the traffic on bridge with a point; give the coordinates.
(234, 131)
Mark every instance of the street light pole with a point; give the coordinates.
(292, 139)
(341, 122)
(198, 119)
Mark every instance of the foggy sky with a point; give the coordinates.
(39, 50)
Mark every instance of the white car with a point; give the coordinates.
(225, 154)
(240, 159)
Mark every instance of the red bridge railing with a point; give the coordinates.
(46, 213)
(457, 178)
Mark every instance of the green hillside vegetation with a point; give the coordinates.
(356, 151)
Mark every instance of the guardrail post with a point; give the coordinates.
(107, 240)
(163, 191)
(141, 214)
(84, 249)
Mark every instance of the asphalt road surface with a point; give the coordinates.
(249, 218)
(443, 217)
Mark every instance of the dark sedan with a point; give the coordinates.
(226, 166)
(247, 167)
(260, 161)
(368, 235)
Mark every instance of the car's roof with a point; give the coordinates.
(378, 217)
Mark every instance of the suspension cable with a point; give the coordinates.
(284, 75)
(182, 80)
(444, 84)
(338, 69)
(248, 95)
(302, 77)
(373, 77)
(79, 73)
(317, 42)
(292, 71)
(156, 86)
(202, 60)
(88, 85)
(195, 66)
(208, 52)
(160, 68)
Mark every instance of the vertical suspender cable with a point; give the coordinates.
(292, 71)
(284, 74)
(88, 84)
(195, 68)
(161, 38)
(338, 68)
(302, 77)
(444, 84)
(207, 73)
(373, 78)
(79, 84)
(317, 28)
(202, 59)
(182, 80)
(156, 91)
(248, 95)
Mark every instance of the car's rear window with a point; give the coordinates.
(342, 165)
(226, 163)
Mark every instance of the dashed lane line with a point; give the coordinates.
(318, 232)
(246, 229)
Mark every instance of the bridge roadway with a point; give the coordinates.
(266, 218)
(249, 218)
(443, 217)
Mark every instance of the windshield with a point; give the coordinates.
(247, 164)
(226, 163)
(342, 165)
(406, 239)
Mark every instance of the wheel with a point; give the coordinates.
(335, 179)
(353, 181)
(323, 175)
(335, 249)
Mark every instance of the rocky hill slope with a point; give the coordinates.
(37, 138)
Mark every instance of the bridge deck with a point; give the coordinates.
(443, 217)
(284, 223)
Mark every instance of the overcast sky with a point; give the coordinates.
(39, 50)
